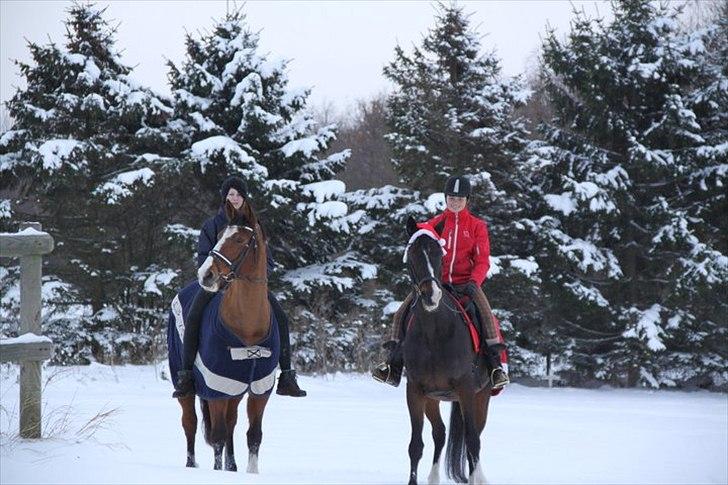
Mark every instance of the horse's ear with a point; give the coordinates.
(246, 210)
(411, 225)
(229, 211)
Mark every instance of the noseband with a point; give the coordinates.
(234, 266)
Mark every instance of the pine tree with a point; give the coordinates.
(624, 251)
(236, 115)
(80, 159)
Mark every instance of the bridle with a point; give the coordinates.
(417, 283)
(234, 266)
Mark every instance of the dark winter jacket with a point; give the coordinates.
(467, 244)
(208, 238)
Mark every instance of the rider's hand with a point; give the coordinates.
(471, 289)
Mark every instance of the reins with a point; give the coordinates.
(234, 266)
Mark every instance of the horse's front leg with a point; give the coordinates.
(432, 411)
(189, 424)
(416, 406)
(256, 408)
(471, 406)
(232, 420)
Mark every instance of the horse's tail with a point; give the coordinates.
(207, 427)
(455, 460)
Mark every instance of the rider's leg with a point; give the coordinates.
(190, 343)
(287, 385)
(498, 375)
(390, 371)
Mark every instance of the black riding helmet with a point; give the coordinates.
(233, 182)
(457, 186)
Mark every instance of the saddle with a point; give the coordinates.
(468, 312)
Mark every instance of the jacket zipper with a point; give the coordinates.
(455, 245)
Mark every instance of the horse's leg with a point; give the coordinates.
(416, 406)
(256, 407)
(232, 420)
(189, 424)
(432, 411)
(469, 407)
(482, 400)
(218, 432)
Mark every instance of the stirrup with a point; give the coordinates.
(386, 374)
(503, 382)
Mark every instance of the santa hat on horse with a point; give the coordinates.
(424, 229)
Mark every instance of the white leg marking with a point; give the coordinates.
(477, 477)
(434, 476)
(252, 463)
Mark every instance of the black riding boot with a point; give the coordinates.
(287, 384)
(390, 371)
(498, 376)
(190, 344)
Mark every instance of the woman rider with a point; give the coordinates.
(234, 190)
(464, 268)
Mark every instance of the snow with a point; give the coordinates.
(307, 146)
(436, 202)
(648, 328)
(231, 150)
(563, 203)
(28, 231)
(119, 187)
(54, 152)
(391, 308)
(351, 429)
(324, 190)
(163, 278)
(26, 338)
(528, 267)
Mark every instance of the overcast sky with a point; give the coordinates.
(337, 47)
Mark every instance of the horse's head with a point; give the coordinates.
(235, 250)
(424, 263)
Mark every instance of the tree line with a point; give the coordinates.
(601, 177)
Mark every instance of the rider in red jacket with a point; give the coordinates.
(464, 268)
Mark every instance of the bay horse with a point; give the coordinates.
(442, 365)
(237, 264)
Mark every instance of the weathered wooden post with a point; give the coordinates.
(30, 349)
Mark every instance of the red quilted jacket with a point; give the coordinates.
(467, 245)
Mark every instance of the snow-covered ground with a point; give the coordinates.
(351, 429)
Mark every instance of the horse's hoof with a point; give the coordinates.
(191, 464)
(231, 468)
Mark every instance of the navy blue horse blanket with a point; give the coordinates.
(225, 366)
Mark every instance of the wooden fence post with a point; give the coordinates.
(29, 350)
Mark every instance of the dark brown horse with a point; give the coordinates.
(238, 261)
(442, 365)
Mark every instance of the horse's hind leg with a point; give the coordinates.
(232, 420)
(471, 410)
(432, 411)
(189, 424)
(416, 406)
(256, 407)
(218, 432)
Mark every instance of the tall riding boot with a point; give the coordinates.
(498, 376)
(390, 371)
(190, 344)
(287, 384)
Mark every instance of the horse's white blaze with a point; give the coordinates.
(436, 292)
(252, 463)
(477, 477)
(207, 265)
(434, 476)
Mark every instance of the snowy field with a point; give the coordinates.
(351, 429)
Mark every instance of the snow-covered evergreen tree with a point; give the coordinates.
(81, 159)
(628, 257)
(452, 112)
(236, 114)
